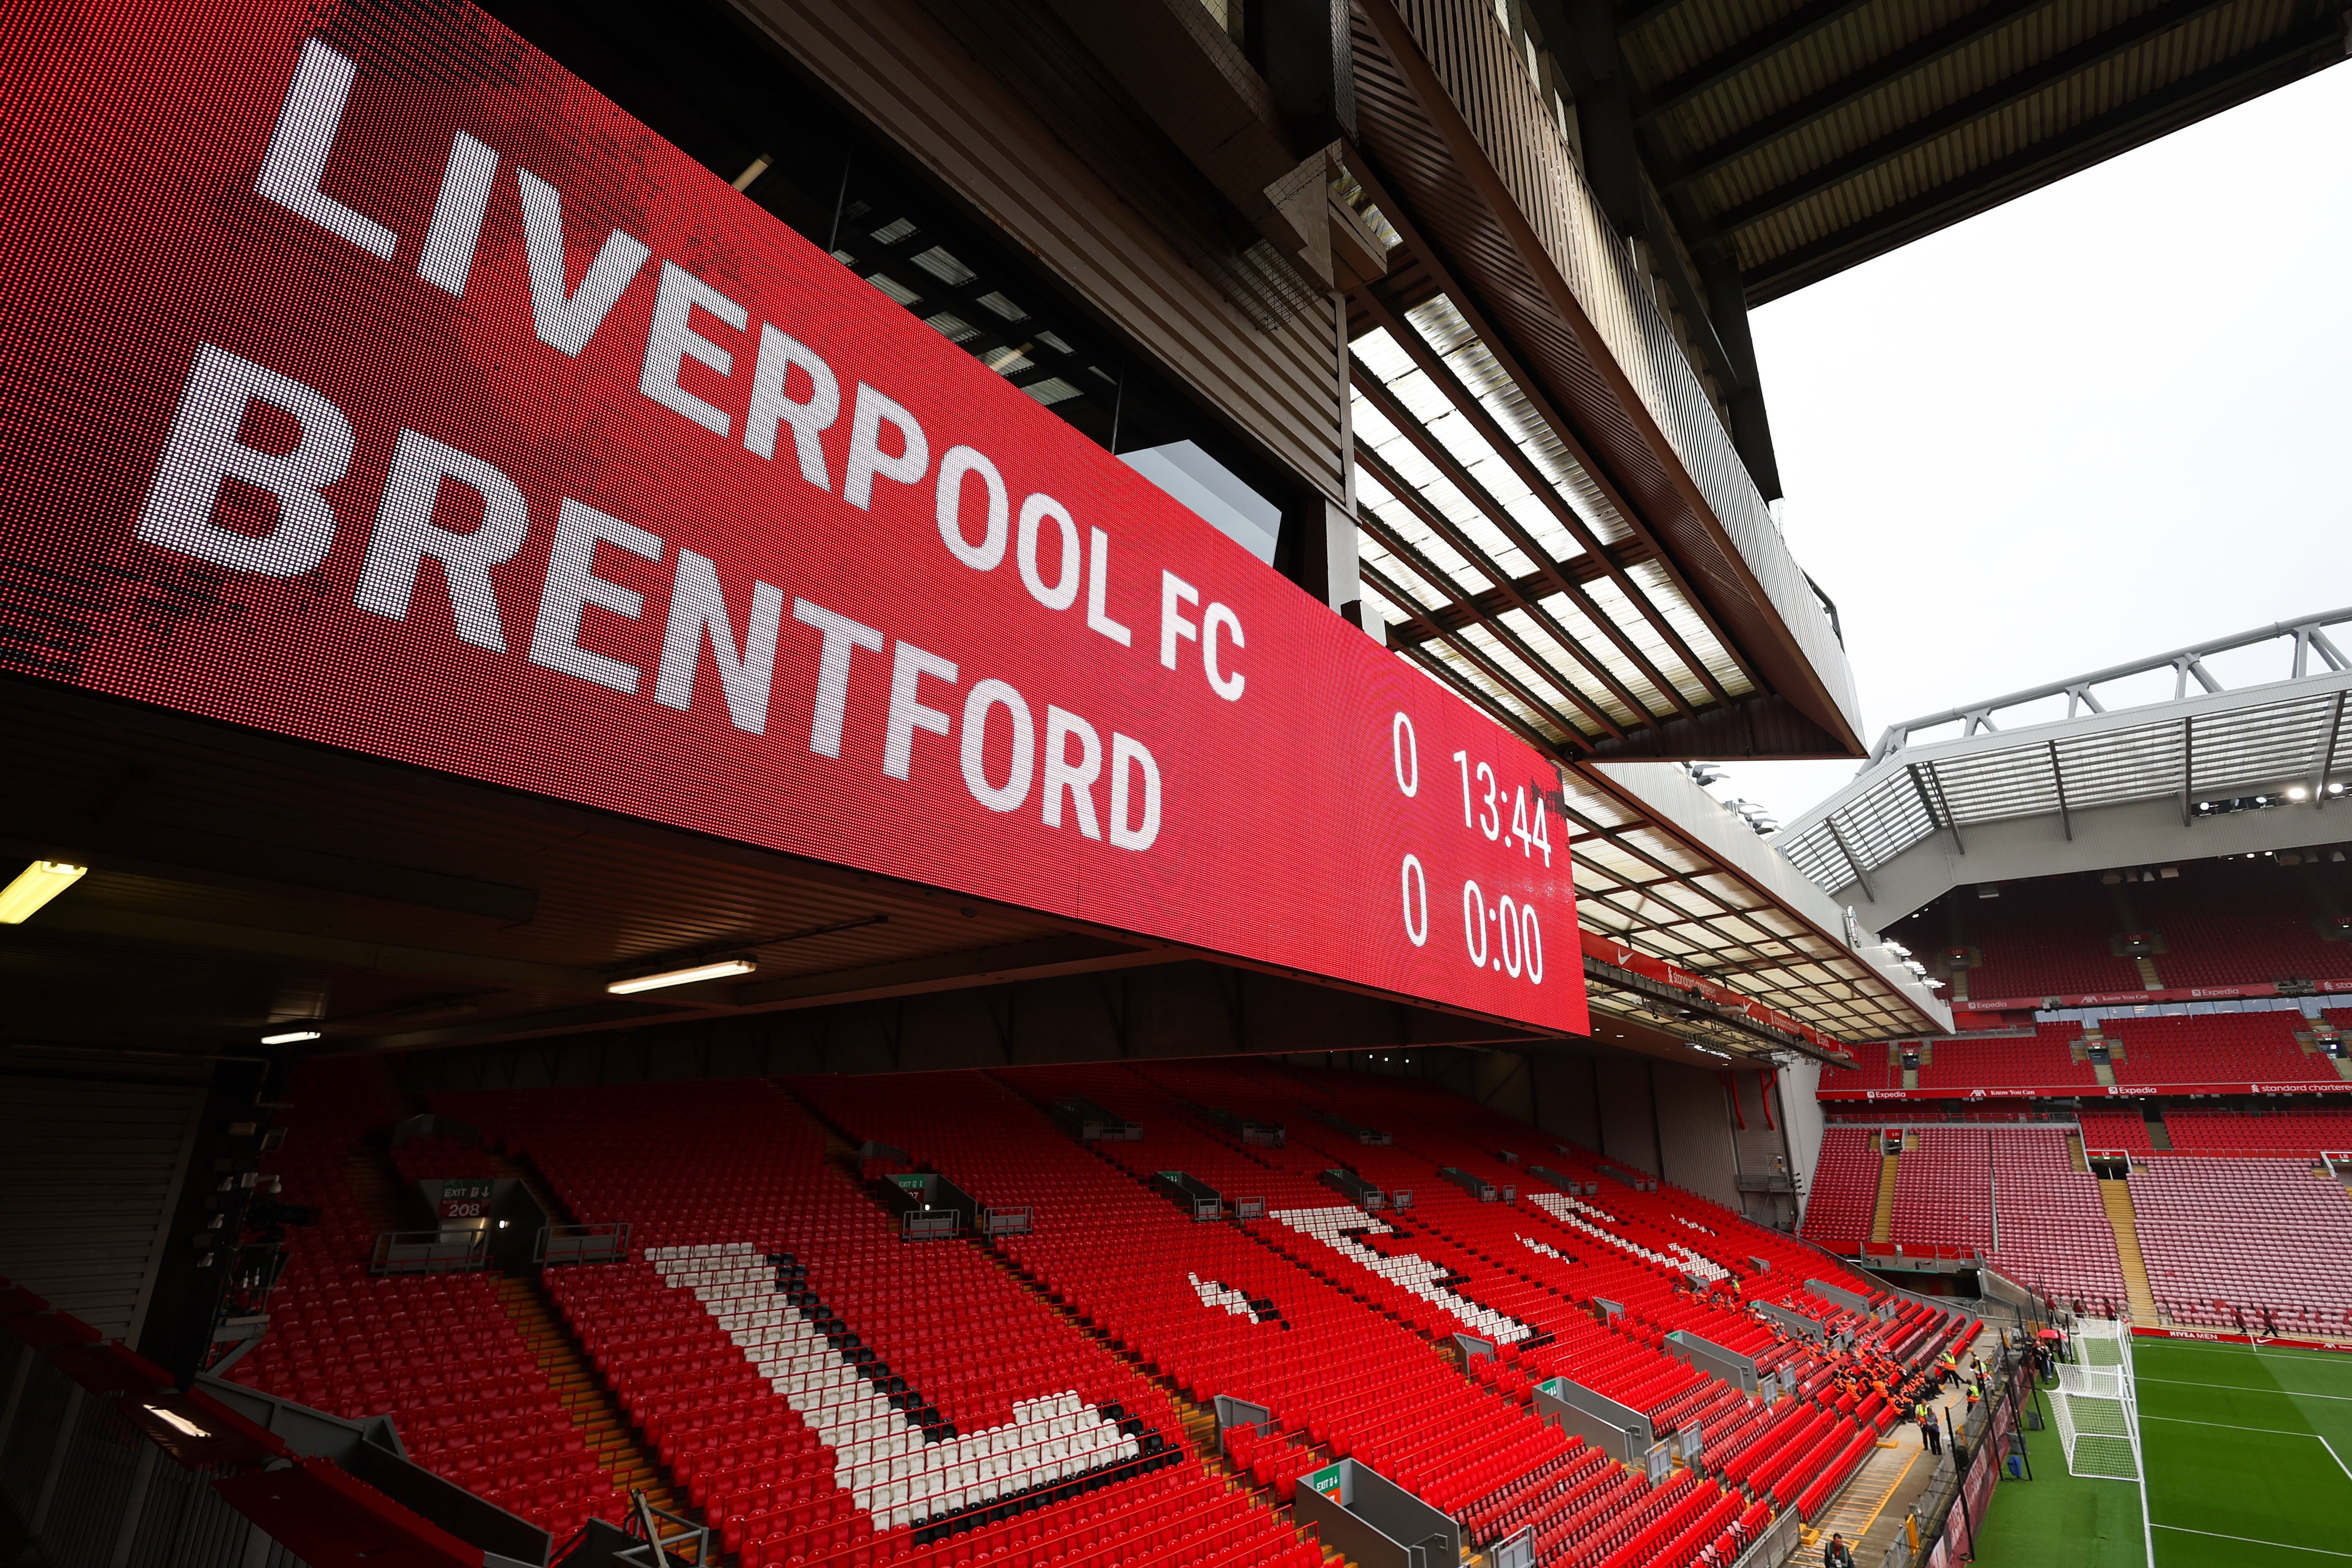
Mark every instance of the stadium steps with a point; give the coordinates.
(615, 1448)
(2074, 1154)
(378, 1188)
(2117, 1196)
(1863, 1509)
(520, 1167)
(1882, 1217)
(2148, 978)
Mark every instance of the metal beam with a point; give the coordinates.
(2188, 764)
(1539, 400)
(2180, 103)
(1461, 479)
(2008, 90)
(2327, 753)
(1413, 501)
(1441, 376)
(1745, 55)
(1847, 851)
(2065, 817)
(1951, 823)
(1396, 593)
(1814, 107)
(1531, 585)
(1895, 736)
(1453, 679)
(1927, 801)
(1464, 605)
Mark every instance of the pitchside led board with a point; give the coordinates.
(364, 377)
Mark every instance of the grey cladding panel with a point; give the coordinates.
(91, 1172)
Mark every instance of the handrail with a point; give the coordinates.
(2186, 661)
(602, 1241)
(429, 1252)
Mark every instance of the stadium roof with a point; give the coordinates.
(2220, 771)
(1554, 519)
(1661, 867)
(1808, 135)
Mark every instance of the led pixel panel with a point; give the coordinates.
(367, 378)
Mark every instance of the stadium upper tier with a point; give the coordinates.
(2231, 927)
(2130, 765)
(776, 1354)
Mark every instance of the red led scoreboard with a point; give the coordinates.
(375, 382)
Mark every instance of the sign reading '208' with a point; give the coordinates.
(435, 409)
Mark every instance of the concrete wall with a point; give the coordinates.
(1566, 1105)
(1503, 1081)
(1800, 1113)
(1694, 1122)
(1625, 1108)
(1629, 1123)
(1174, 1010)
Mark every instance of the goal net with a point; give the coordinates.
(2097, 1413)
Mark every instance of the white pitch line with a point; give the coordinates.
(2338, 1357)
(2227, 1426)
(2334, 1455)
(2241, 1388)
(2281, 1545)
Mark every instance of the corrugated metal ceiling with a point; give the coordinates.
(1811, 134)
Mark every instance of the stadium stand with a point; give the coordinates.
(2233, 923)
(1845, 1190)
(2153, 1053)
(2054, 1233)
(439, 1353)
(822, 1390)
(2220, 1048)
(2049, 938)
(2276, 1132)
(2044, 1061)
(2226, 1239)
(2243, 921)
(2112, 1129)
(1943, 1190)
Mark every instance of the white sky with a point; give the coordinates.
(2108, 419)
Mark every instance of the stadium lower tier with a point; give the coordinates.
(2226, 1238)
(778, 1356)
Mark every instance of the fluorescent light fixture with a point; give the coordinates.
(714, 969)
(177, 1422)
(36, 886)
(289, 1035)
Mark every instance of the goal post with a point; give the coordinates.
(2096, 1408)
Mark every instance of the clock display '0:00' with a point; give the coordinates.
(1507, 934)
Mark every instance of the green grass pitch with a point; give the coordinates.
(2248, 1456)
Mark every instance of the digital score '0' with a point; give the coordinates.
(1499, 931)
